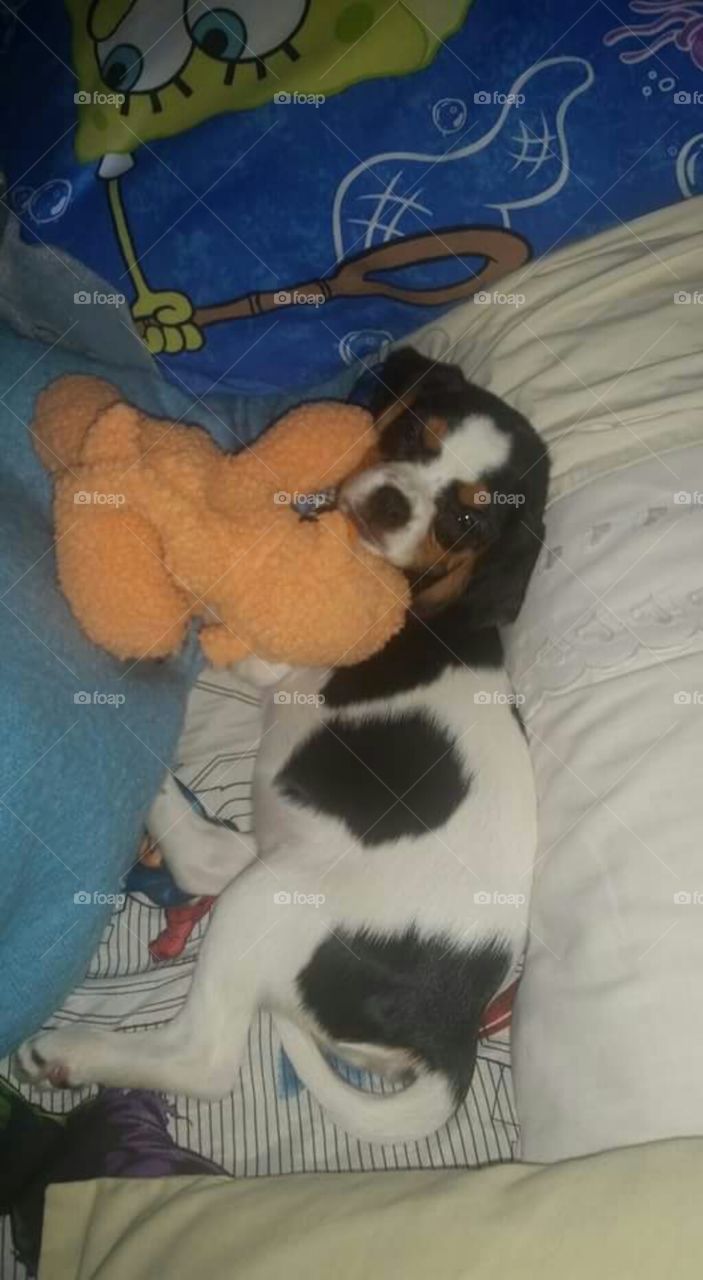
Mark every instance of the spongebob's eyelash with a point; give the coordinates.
(290, 49)
(187, 90)
(261, 69)
(178, 83)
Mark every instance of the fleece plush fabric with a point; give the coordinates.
(185, 529)
(85, 738)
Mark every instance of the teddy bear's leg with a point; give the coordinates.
(222, 647)
(112, 571)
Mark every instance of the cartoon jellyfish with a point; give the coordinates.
(671, 22)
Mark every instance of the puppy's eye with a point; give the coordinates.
(467, 520)
(457, 524)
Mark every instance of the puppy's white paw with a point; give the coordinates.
(51, 1058)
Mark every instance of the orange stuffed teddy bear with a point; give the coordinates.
(155, 525)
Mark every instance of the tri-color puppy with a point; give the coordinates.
(372, 911)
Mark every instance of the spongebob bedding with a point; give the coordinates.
(280, 190)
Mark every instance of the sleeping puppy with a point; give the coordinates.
(373, 911)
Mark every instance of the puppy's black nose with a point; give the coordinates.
(387, 508)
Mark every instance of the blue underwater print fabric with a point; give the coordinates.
(280, 190)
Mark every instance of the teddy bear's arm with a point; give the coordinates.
(313, 598)
(316, 446)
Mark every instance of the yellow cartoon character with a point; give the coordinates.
(149, 69)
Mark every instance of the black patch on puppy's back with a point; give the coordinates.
(425, 994)
(386, 777)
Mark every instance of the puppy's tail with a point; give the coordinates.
(419, 1110)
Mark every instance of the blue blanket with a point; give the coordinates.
(280, 189)
(85, 739)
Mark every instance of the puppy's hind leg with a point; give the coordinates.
(202, 855)
(200, 1051)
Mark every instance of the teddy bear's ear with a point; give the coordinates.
(114, 436)
(64, 412)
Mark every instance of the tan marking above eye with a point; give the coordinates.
(433, 433)
(473, 495)
(394, 410)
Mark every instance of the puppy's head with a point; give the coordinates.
(458, 495)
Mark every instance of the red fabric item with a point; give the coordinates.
(499, 1013)
(180, 922)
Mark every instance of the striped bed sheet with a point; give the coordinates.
(269, 1124)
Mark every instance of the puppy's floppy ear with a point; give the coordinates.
(406, 376)
(496, 591)
(439, 592)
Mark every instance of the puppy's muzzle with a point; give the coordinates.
(386, 509)
(377, 508)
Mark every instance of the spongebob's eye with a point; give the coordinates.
(220, 34)
(122, 67)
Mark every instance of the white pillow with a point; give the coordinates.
(600, 355)
(608, 1028)
(608, 1037)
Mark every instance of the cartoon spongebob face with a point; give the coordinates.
(151, 69)
(150, 47)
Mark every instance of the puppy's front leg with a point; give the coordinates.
(203, 855)
(200, 1051)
